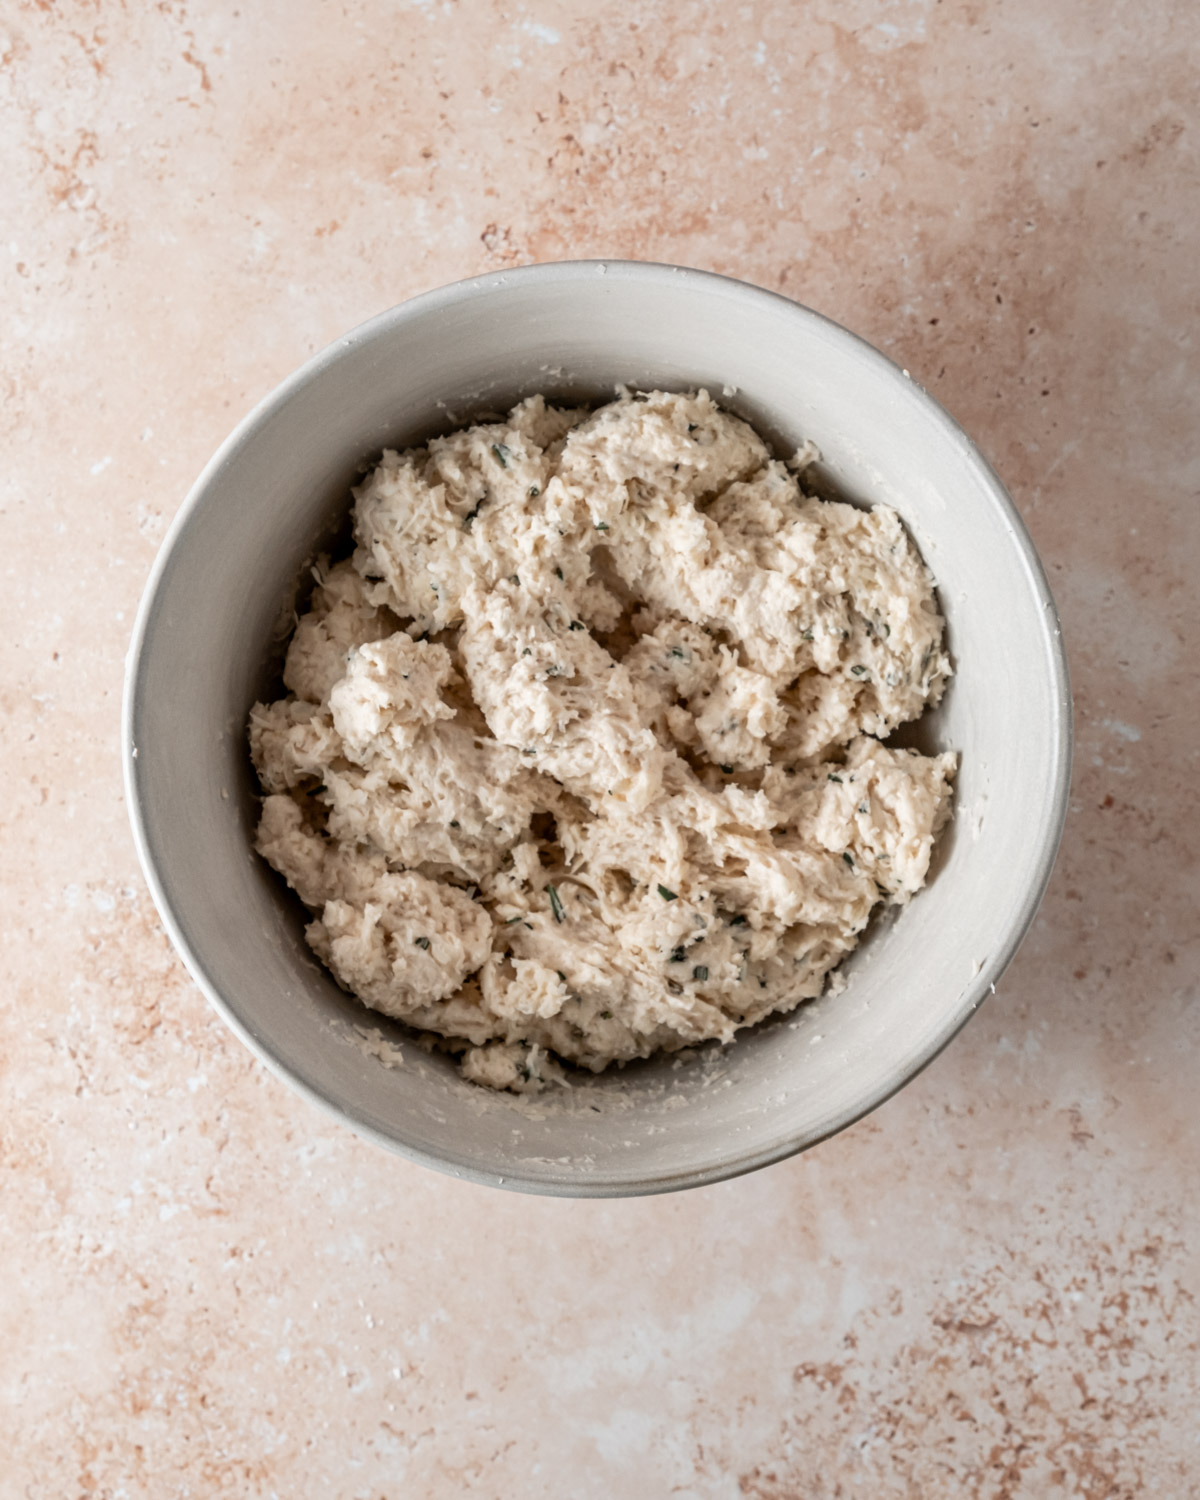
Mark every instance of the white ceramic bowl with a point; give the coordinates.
(210, 626)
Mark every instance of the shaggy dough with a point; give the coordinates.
(581, 756)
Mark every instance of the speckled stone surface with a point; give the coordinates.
(986, 1289)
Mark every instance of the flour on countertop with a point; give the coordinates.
(581, 754)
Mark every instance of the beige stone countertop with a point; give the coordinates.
(988, 1288)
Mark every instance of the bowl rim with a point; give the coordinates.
(613, 1184)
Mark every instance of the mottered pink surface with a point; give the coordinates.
(987, 1288)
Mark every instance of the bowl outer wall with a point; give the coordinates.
(221, 592)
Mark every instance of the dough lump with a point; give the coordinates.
(581, 757)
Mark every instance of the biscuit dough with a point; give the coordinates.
(581, 754)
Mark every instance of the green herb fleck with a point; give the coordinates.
(677, 956)
(503, 454)
(886, 628)
(454, 823)
(561, 975)
(527, 652)
(676, 989)
(422, 942)
(511, 920)
(832, 777)
(700, 972)
(858, 671)
(558, 573)
(534, 491)
(556, 905)
(806, 635)
(666, 894)
(578, 625)
(728, 770)
(601, 525)
(848, 857)
(606, 1015)
(679, 652)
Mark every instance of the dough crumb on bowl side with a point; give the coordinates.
(582, 752)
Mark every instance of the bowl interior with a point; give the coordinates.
(219, 606)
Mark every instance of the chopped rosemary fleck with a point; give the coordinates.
(503, 454)
(679, 652)
(422, 942)
(601, 525)
(556, 905)
(606, 1015)
(806, 635)
(858, 671)
(832, 777)
(700, 972)
(666, 894)
(534, 491)
(561, 975)
(677, 956)
(454, 823)
(578, 625)
(558, 574)
(848, 857)
(511, 920)
(527, 652)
